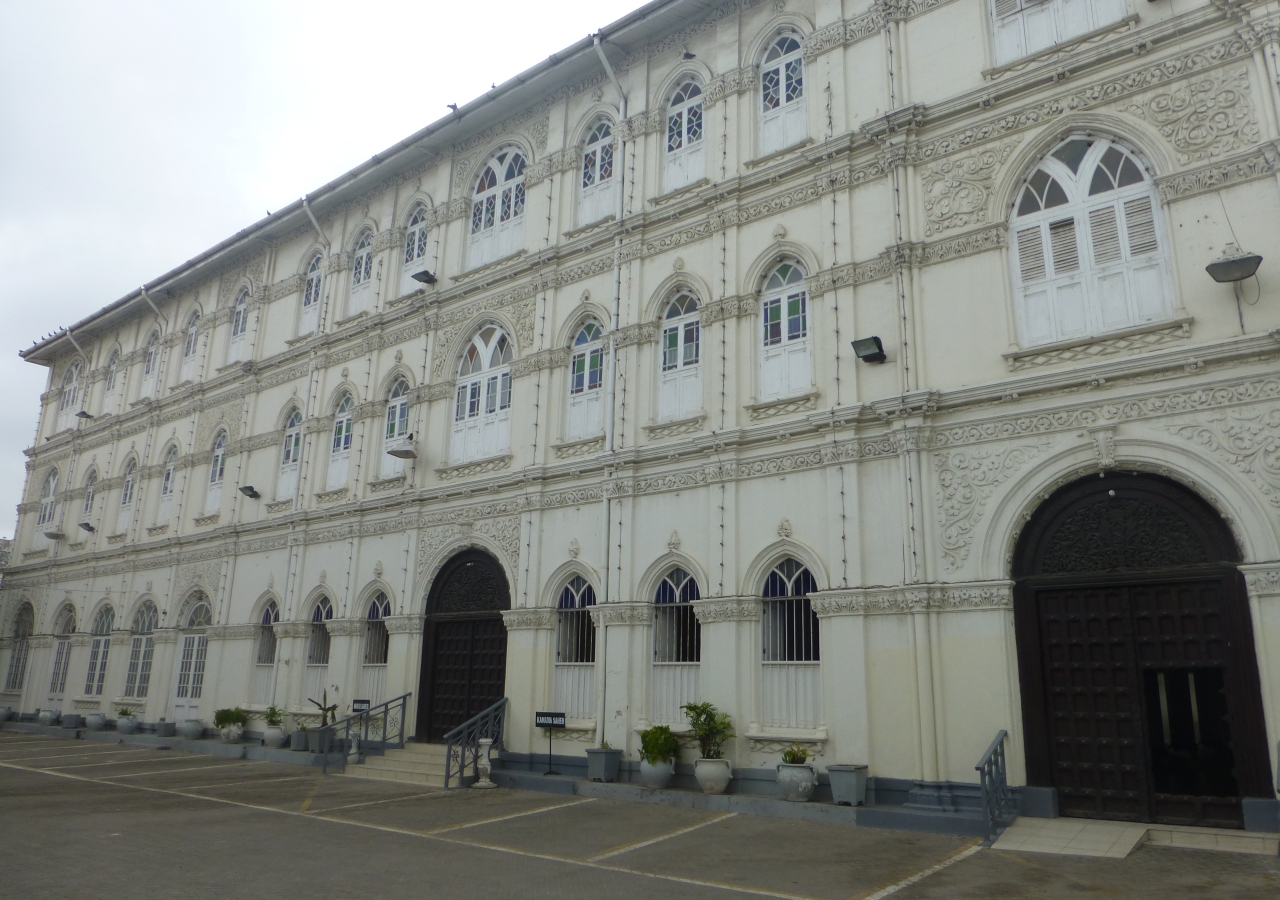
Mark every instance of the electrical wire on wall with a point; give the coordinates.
(835, 311)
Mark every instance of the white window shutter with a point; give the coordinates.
(799, 371)
(1140, 226)
(287, 485)
(690, 391)
(338, 467)
(1037, 317)
(1070, 310)
(771, 373)
(669, 396)
(1041, 26)
(1105, 235)
(795, 119)
(1031, 264)
(1075, 17)
(1063, 247)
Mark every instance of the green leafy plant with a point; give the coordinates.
(795, 755)
(302, 726)
(224, 717)
(274, 716)
(124, 711)
(710, 727)
(326, 709)
(658, 744)
(604, 745)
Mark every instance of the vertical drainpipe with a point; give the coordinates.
(620, 167)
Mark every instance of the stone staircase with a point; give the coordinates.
(415, 764)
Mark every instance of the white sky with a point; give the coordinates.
(134, 135)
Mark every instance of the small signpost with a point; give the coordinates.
(359, 706)
(549, 721)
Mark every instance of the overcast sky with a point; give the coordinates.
(134, 135)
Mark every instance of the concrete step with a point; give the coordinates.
(398, 775)
(415, 764)
(427, 767)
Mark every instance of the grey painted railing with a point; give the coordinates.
(997, 799)
(462, 744)
(379, 728)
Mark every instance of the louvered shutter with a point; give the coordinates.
(1140, 224)
(1148, 284)
(1063, 247)
(1104, 235)
(1031, 263)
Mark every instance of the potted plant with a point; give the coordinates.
(658, 750)
(320, 740)
(298, 740)
(191, 729)
(273, 732)
(848, 784)
(795, 776)
(5, 712)
(711, 728)
(95, 721)
(603, 762)
(48, 716)
(126, 721)
(231, 723)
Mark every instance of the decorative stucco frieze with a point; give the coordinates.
(789, 406)
(1262, 579)
(346, 627)
(536, 362)
(663, 430)
(1132, 340)
(294, 629)
(524, 619)
(1248, 439)
(207, 574)
(727, 609)
(405, 624)
(1210, 115)
(505, 532)
(432, 539)
(966, 480)
(573, 449)
(467, 470)
(913, 598)
(957, 189)
(1263, 162)
(622, 613)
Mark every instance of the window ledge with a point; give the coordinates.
(157, 530)
(332, 496)
(583, 447)
(1141, 337)
(201, 521)
(350, 319)
(783, 406)
(770, 157)
(501, 261)
(245, 364)
(675, 427)
(474, 467)
(293, 342)
(279, 506)
(1066, 48)
(117, 538)
(688, 188)
(775, 740)
(386, 484)
(590, 226)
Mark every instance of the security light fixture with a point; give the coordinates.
(404, 450)
(87, 527)
(249, 492)
(686, 55)
(869, 350)
(54, 535)
(424, 276)
(84, 414)
(1234, 265)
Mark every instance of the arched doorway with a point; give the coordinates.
(1140, 690)
(464, 648)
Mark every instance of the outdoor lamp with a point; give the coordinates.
(249, 492)
(54, 535)
(869, 350)
(87, 527)
(424, 276)
(1234, 265)
(84, 414)
(405, 450)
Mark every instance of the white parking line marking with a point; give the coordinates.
(72, 755)
(121, 762)
(200, 787)
(921, 876)
(529, 812)
(374, 802)
(109, 779)
(636, 846)
(26, 744)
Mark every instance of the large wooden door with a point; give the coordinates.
(465, 644)
(1141, 697)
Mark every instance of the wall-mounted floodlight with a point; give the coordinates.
(54, 535)
(405, 450)
(1234, 265)
(249, 492)
(84, 414)
(869, 350)
(87, 527)
(424, 277)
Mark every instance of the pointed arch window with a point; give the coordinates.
(217, 471)
(396, 433)
(190, 347)
(318, 649)
(90, 492)
(1023, 27)
(362, 267)
(263, 688)
(415, 240)
(170, 474)
(128, 486)
(598, 196)
(137, 680)
(677, 647)
(686, 159)
(62, 651)
(151, 365)
(1088, 250)
(377, 644)
(23, 626)
(482, 407)
(195, 650)
(586, 378)
(239, 324)
(783, 117)
(290, 457)
(497, 208)
(99, 648)
(574, 686)
(340, 449)
(113, 375)
(786, 366)
(48, 499)
(310, 318)
(791, 680)
(680, 375)
(69, 400)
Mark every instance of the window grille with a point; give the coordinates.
(138, 679)
(23, 626)
(790, 625)
(62, 651)
(99, 649)
(575, 632)
(377, 641)
(318, 645)
(267, 635)
(677, 634)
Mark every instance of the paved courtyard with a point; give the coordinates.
(79, 817)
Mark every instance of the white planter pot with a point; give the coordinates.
(231, 734)
(126, 724)
(5, 712)
(48, 717)
(191, 730)
(797, 781)
(95, 721)
(657, 775)
(273, 737)
(713, 774)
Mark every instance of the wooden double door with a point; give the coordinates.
(464, 659)
(1141, 698)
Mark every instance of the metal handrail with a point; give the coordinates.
(993, 773)
(462, 744)
(360, 723)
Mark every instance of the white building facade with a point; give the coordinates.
(557, 401)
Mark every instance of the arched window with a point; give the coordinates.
(113, 373)
(783, 118)
(415, 239)
(586, 378)
(396, 434)
(90, 491)
(190, 346)
(318, 643)
(138, 679)
(786, 367)
(290, 457)
(362, 264)
(217, 470)
(151, 365)
(686, 156)
(790, 684)
(574, 686)
(65, 627)
(239, 324)
(497, 208)
(482, 411)
(340, 450)
(128, 484)
(376, 639)
(69, 401)
(170, 474)
(598, 198)
(1087, 248)
(310, 318)
(677, 647)
(680, 379)
(1023, 27)
(195, 651)
(23, 625)
(48, 499)
(267, 634)
(98, 651)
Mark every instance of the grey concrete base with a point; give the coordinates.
(1261, 814)
(1038, 802)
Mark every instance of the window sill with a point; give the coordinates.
(474, 467)
(279, 506)
(675, 427)
(783, 406)
(293, 342)
(583, 447)
(1141, 337)
(350, 319)
(775, 740)
(671, 195)
(590, 226)
(386, 484)
(244, 364)
(117, 538)
(332, 496)
(157, 530)
(484, 267)
(1066, 48)
(770, 157)
(201, 521)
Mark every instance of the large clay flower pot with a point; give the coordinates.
(797, 781)
(48, 717)
(713, 774)
(126, 724)
(231, 733)
(95, 721)
(191, 729)
(273, 737)
(657, 775)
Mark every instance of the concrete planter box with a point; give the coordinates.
(166, 729)
(298, 741)
(48, 716)
(848, 784)
(319, 741)
(72, 720)
(603, 765)
(231, 734)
